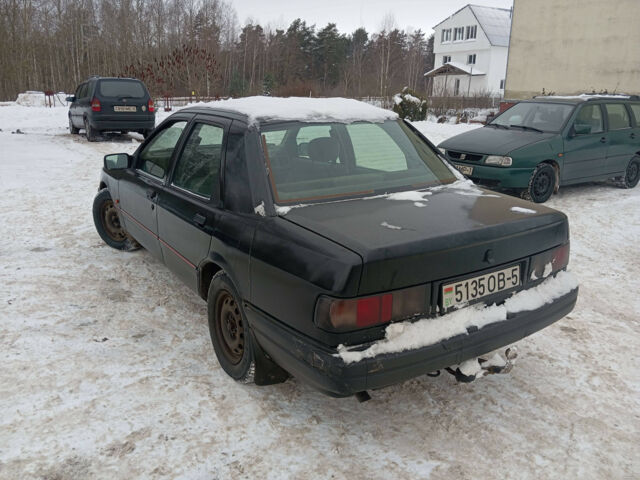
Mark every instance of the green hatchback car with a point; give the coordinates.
(537, 145)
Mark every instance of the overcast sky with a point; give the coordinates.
(348, 15)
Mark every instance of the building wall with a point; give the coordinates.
(574, 46)
(490, 59)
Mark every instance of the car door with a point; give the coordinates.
(621, 138)
(635, 137)
(76, 114)
(585, 153)
(139, 187)
(186, 208)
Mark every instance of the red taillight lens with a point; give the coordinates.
(150, 106)
(95, 105)
(350, 314)
(551, 261)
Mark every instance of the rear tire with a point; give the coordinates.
(632, 174)
(542, 183)
(107, 222)
(89, 132)
(72, 130)
(230, 334)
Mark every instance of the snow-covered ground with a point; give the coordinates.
(107, 370)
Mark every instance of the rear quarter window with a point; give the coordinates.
(635, 108)
(122, 88)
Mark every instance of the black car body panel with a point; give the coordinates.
(282, 264)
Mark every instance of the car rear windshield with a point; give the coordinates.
(122, 88)
(317, 161)
(547, 117)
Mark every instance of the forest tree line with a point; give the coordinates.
(182, 46)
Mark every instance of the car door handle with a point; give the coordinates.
(603, 140)
(151, 194)
(199, 219)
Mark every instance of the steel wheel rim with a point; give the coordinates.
(111, 221)
(632, 172)
(541, 184)
(229, 327)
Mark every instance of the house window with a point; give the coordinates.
(472, 30)
(456, 87)
(446, 35)
(502, 84)
(446, 59)
(458, 34)
(471, 59)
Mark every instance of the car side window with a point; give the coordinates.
(618, 116)
(635, 108)
(590, 115)
(198, 168)
(82, 91)
(78, 91)
(154, 159)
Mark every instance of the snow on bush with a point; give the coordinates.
(409, 105)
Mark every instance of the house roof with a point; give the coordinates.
(454, 68)
(494, 22)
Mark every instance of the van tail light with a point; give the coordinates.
(95, 105)
(342, 315)
(150, 106)
(551, 261)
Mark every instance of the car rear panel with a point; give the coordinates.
(117, 99)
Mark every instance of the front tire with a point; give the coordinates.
(107, 222)
(541, 184)
(72, 130)
(632, 174)
(229, 330)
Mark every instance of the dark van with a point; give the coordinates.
(111, 104)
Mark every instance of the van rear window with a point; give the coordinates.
(121, 88)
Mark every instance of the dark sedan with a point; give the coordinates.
(333, 243)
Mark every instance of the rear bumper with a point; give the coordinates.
(124, 124)
(320, 366)
(500, 177)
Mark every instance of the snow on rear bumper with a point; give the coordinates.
(326, 369)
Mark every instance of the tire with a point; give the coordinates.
(230, 334)
(72, 130)
(632, 175)
(542, 183)
(107, 222)
(89, 132)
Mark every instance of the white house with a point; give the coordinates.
(470, 50)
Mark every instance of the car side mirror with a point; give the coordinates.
(70, 99)
(117, 161)
(581, 129)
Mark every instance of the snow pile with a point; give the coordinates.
(389, 226)
(260, 209)
(32, 98)
(428, 331)
(302, 109)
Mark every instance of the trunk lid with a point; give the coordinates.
(448, 234)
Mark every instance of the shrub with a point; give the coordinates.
(409, 105)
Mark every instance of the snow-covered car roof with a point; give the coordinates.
(302, 109)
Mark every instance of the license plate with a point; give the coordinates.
(124, 108)
(477, 287)
(465, 170)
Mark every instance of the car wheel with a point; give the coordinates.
(72, 130)
(632, 175)
(107, 222)
(230, 334)
(541, 184)
(88, 131)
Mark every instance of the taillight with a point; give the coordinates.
(150, 106)
(95, 105)
(342, 315)
(551, 261)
